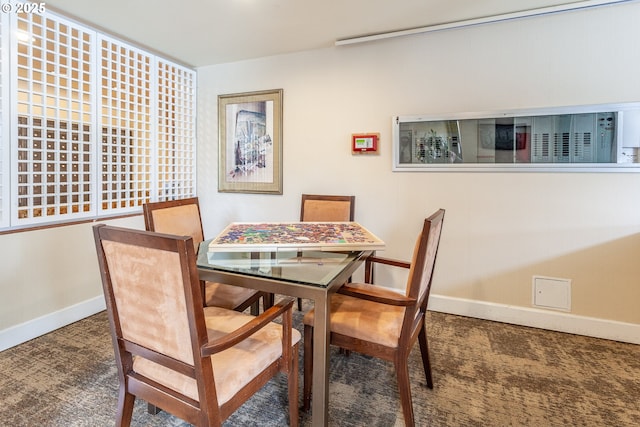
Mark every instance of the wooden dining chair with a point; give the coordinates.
(182, 217)
(321, 208)
(314, 207)
(380, 322)
(198, 363)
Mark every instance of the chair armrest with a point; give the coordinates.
(370, 261)
(247, 329)
(375, 294)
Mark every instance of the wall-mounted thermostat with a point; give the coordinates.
(364, 142)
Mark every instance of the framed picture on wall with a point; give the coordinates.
(250, 142)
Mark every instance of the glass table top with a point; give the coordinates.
(317, 268)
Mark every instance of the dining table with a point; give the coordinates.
(307, 267)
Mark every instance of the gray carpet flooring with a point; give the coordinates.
(485, 374)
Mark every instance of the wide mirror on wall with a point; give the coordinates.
(599, 137)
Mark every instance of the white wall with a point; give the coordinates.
(500, 228)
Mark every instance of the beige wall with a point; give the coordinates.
(500, 228)
(47, 271)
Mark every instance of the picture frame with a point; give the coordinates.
(250, 142)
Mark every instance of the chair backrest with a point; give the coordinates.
(327, 208)
(154, 305)
(422, 267)
(179, 217)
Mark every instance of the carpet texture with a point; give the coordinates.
(485, 374)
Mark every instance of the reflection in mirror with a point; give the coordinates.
(585, 136)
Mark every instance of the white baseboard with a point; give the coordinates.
(50, 322)
(524, 316)
(538, 318)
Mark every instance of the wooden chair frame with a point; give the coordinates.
(205, 411)
(330, 200)
(414, 322)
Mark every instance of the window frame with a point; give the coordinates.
(5, 123)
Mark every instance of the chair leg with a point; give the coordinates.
(268, 300)
(402, 371)
(255, 308)
(153, 409)
(308, 367)
(125, 408)
(424, 351)
(299, 304)
(293, 389)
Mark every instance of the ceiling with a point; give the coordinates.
(208, 32)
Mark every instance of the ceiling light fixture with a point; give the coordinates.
(478, 21)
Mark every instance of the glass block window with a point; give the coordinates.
(91, 126)
(125, 116)
(176, 132)
(54, 119)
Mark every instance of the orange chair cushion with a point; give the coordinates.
(326, 210)
(232, 368)
(143, 293)
(226, 296)
(362, 319)
(180, 220)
